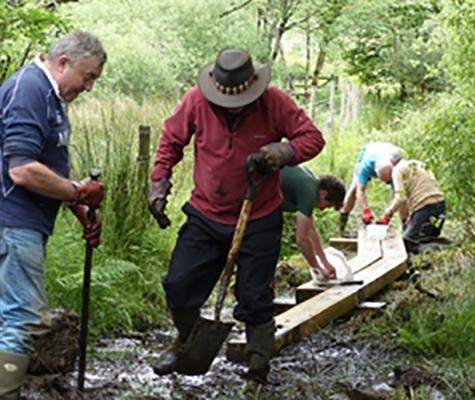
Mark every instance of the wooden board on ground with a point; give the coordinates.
(344, 244)
(319, 310)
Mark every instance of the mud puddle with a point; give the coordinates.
(322, 366)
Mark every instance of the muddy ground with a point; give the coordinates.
(330, 364)
(322, 366)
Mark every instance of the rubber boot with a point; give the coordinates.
(342, 222)
(184, 320)
(13, 368)
(260, 349)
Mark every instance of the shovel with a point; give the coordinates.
(94, 175)
(207, 336)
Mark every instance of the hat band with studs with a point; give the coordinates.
(242, 87)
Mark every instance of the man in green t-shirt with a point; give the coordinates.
(303, 191)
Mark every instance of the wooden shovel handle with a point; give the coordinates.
(230, 261)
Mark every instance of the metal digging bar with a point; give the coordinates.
(94, 175)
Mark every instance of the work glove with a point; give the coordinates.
(92, 229)
(271, 157)
(157, 201)
(367, 216)
(384, 220)
(89, 192)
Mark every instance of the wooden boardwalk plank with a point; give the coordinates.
(344, 244)
(319, 310)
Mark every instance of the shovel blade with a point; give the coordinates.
(202, 346)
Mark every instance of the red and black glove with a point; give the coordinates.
(157, 201)
(367, 216)
(89, 192)
(384, 220)
(92, 229)
(272, 157)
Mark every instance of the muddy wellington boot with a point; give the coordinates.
(342, 222)
(13, 368)
(184, 320)
(259, 350)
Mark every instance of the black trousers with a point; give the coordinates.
(424, 224)
(199, 257)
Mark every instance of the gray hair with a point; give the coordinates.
(78, 46)
(382, 163)
(396, 156)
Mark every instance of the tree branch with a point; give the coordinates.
(238, 7)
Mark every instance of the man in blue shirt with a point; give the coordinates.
(374, 157)
(34, 180)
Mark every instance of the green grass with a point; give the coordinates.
(437, 333)
(126, 290)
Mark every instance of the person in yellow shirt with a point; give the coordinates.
(416, 189)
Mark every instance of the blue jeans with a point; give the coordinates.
(23, 305)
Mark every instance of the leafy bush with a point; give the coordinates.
(164, 52)
(441, 134)
(25, 27)
(448, 328)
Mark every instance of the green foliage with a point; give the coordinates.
(441, 134)
(174, 39)
(446, 329)
(25, 27)
(393, 45)
(460, 55)
(133, 257)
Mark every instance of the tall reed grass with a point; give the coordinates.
(132, 259)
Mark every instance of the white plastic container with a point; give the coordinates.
(377, 231)
(338, 260)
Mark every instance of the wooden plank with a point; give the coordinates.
(281, 305)
(389, 268)
(345, 244)
(309, 316)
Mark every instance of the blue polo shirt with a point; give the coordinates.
(33, 125)
(365, 168)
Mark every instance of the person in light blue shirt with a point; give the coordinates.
(374, 159)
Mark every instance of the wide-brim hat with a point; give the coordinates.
(233, 80)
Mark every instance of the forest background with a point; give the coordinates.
(392, 70)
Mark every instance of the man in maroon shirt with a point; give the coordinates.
(232, 113)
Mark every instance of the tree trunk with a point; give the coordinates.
(343, 100)
(308, 55)
(314, 82)
(331, 107)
